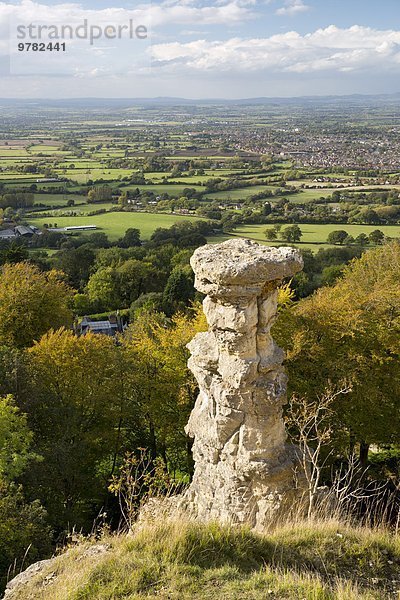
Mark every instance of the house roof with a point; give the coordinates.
(96, 325)
(6, 233)
(104, 327)
(22, 230)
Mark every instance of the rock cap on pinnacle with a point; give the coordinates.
(241, 263)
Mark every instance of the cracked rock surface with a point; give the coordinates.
(244, 467)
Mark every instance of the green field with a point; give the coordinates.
(297, 198)
(115, 224)
(83, 175)
(191, 180)
(43, 148)
(314, 236)
(80, 164)
(82, 208)
(239, 194)
(9, 151)
(307, 195)
(19, 176)
(172, 190)
(51, 200)
(106, 149)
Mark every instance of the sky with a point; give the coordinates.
(198, 48)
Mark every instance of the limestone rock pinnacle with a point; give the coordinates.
(244, 467)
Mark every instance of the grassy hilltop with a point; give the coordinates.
(310, 561)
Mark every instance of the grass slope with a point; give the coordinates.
(182, 561)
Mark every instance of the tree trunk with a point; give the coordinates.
(153, 440)
(352, 443)
(163, 453)
(364, 448)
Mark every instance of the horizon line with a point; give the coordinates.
(206, 99)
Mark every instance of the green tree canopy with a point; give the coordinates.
(24, 531)
(270, 234)
(163, 387)
(131, 238)
(376, 237)
(337, 237)
(76, 397)
(351, 332)
(102, 289)
(291, 234)
(179, 289)
(15, 440)
(31, 303)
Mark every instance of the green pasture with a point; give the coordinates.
(239, 194)
(223, 171)
(43, 148)
(216, 173)
(260, 175)
(308, 195)
(108, 152)
(80, 164)
(14, 160)
(155, 175)
(191, 180)
(80, 208)
(82, 175)
(115, 224)
(11, 151)
(162, 188)
(15, 176)
(50, 200)
(315, 234)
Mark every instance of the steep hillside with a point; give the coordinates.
(321, 561)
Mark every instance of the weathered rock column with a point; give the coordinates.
(244, 468)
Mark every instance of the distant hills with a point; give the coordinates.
(177, 101)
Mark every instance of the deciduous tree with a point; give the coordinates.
(291, 234)
(351, 333)
(15, 440)
(76, 398)
(31, 303)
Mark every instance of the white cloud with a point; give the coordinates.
(166, 13)
(322, 57)
(325, 50)
(228, 13)
(104, 55)
(292, 8)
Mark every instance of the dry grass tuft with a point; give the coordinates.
(323, 560)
